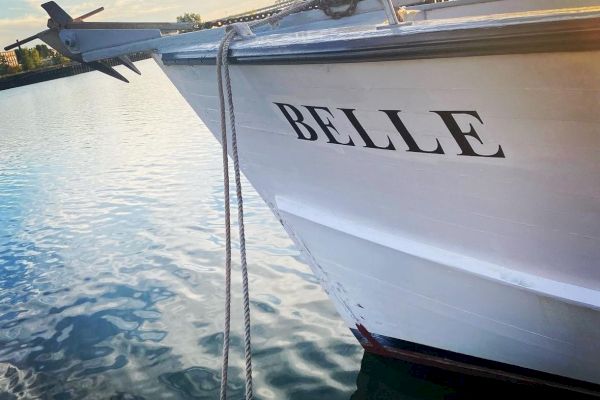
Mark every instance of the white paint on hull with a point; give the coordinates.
(400, 295)
(535, 283)
(491, 257)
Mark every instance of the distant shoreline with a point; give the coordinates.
(56, 72)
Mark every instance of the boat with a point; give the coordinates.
(437, 164)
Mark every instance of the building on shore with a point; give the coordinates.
(10, 57)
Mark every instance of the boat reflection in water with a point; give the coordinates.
(382, 378)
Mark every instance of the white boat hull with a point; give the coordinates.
(492, 257)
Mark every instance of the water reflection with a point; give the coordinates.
(383, 378)
(59, 361)
(111, 255)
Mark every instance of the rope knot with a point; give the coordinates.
(241, 29)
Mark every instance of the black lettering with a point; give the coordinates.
(461, 136)
(299, 120)
(327, 127)
(349, 112)
(408, 139)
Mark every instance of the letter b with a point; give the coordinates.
(297, 121)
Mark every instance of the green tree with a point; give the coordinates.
(59, 59)
(35, 58)
(4, 67)
(26, 60)
(190, 17)
(29, 59)
(194, 18)
(43, 50)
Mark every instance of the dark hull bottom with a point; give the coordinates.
(433, 357)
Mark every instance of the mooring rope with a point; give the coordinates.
(222, 65)
(226, 329)
(226, 96)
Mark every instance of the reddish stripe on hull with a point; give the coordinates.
(372, 342)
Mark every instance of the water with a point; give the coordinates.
(111, 255)
(111, 262)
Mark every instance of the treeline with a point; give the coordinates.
(32, 58)
(190, 17)
(38, 56)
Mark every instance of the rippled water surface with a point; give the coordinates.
(111, 262)
(111, 255)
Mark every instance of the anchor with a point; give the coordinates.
(61, 35)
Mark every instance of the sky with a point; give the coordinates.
(22, 18)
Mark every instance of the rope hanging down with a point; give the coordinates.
(222, 65)
(226, 96)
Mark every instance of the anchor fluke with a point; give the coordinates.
(129, 64)
(57, 14)
(67, 44)
(107, 69)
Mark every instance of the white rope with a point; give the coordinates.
(223, 74)
(226, 329)
(223, 65)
